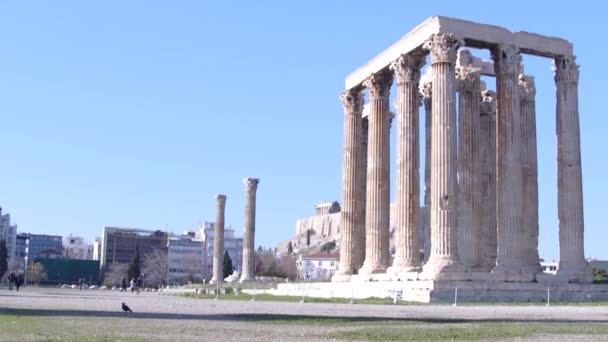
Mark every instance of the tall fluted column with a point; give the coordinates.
(443, 262)
(487, 152)
(407, 252)
(218, 242)
(426, 93)
(352, 101)
(527, 93)
(377, 203)
(511, 259)
(469, 220)
(361, 196)
(572, 263)
(248, 272)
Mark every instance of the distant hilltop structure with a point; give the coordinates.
(324, 227)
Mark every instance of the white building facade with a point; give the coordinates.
(185, 258)
(74, 247)
(320, 266)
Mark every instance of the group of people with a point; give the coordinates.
(135, 284)
(15, 280)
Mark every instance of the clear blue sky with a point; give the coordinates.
(136, 113)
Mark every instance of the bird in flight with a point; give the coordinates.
(126, 308)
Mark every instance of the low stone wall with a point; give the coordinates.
(449, 291)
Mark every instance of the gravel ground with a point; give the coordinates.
(161, 317)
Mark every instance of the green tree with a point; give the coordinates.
(227, 265)
(36, 273)
(289, 248)
(328, 247)
(3, 258)
(134, 270)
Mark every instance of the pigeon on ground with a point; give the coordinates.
(126, 308)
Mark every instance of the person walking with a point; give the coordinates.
(132, 283)
(11, 280)
(80, 283)
(140, 283)
(19, 281)
(124, 285)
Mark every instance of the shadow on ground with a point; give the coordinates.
(269, 318)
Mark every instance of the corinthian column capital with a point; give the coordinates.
(488, 101)
(443, 47)
(221, 200)
(507, 59)
(407, 68)
(527, 88)
(468, 79)
(426, 92)
(565, 69)
(251, 184)
(352, 101)
(379, 84)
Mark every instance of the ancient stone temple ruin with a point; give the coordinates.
(480, 176)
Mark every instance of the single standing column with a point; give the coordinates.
(218, 243)
(361, 196)
(407, 252)
(572, 263)
(443, 262)
(511, 259)
(251, 186)
(527, 93)
(426, 93)
(352, 100)
(469, 219)
(377, 203)
(487, 152)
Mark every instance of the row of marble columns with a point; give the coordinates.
(481, 178)
(248, 265)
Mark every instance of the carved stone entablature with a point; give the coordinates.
(379, 84)
(407, 68)
(442, 47)
(527, 88)
(352, 100)
(221, 199)
(565, 69)
(468, 79)
(507, 59)
(488, 102)
(426, 91)
(251, 184)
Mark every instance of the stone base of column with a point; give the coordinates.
(358, 278)
(403, 275)
(345, 270)
(444, 269)
(404, 272)
(506, 273)
(341, 278)
(246, 279)
(372, 269)
(579, 273)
